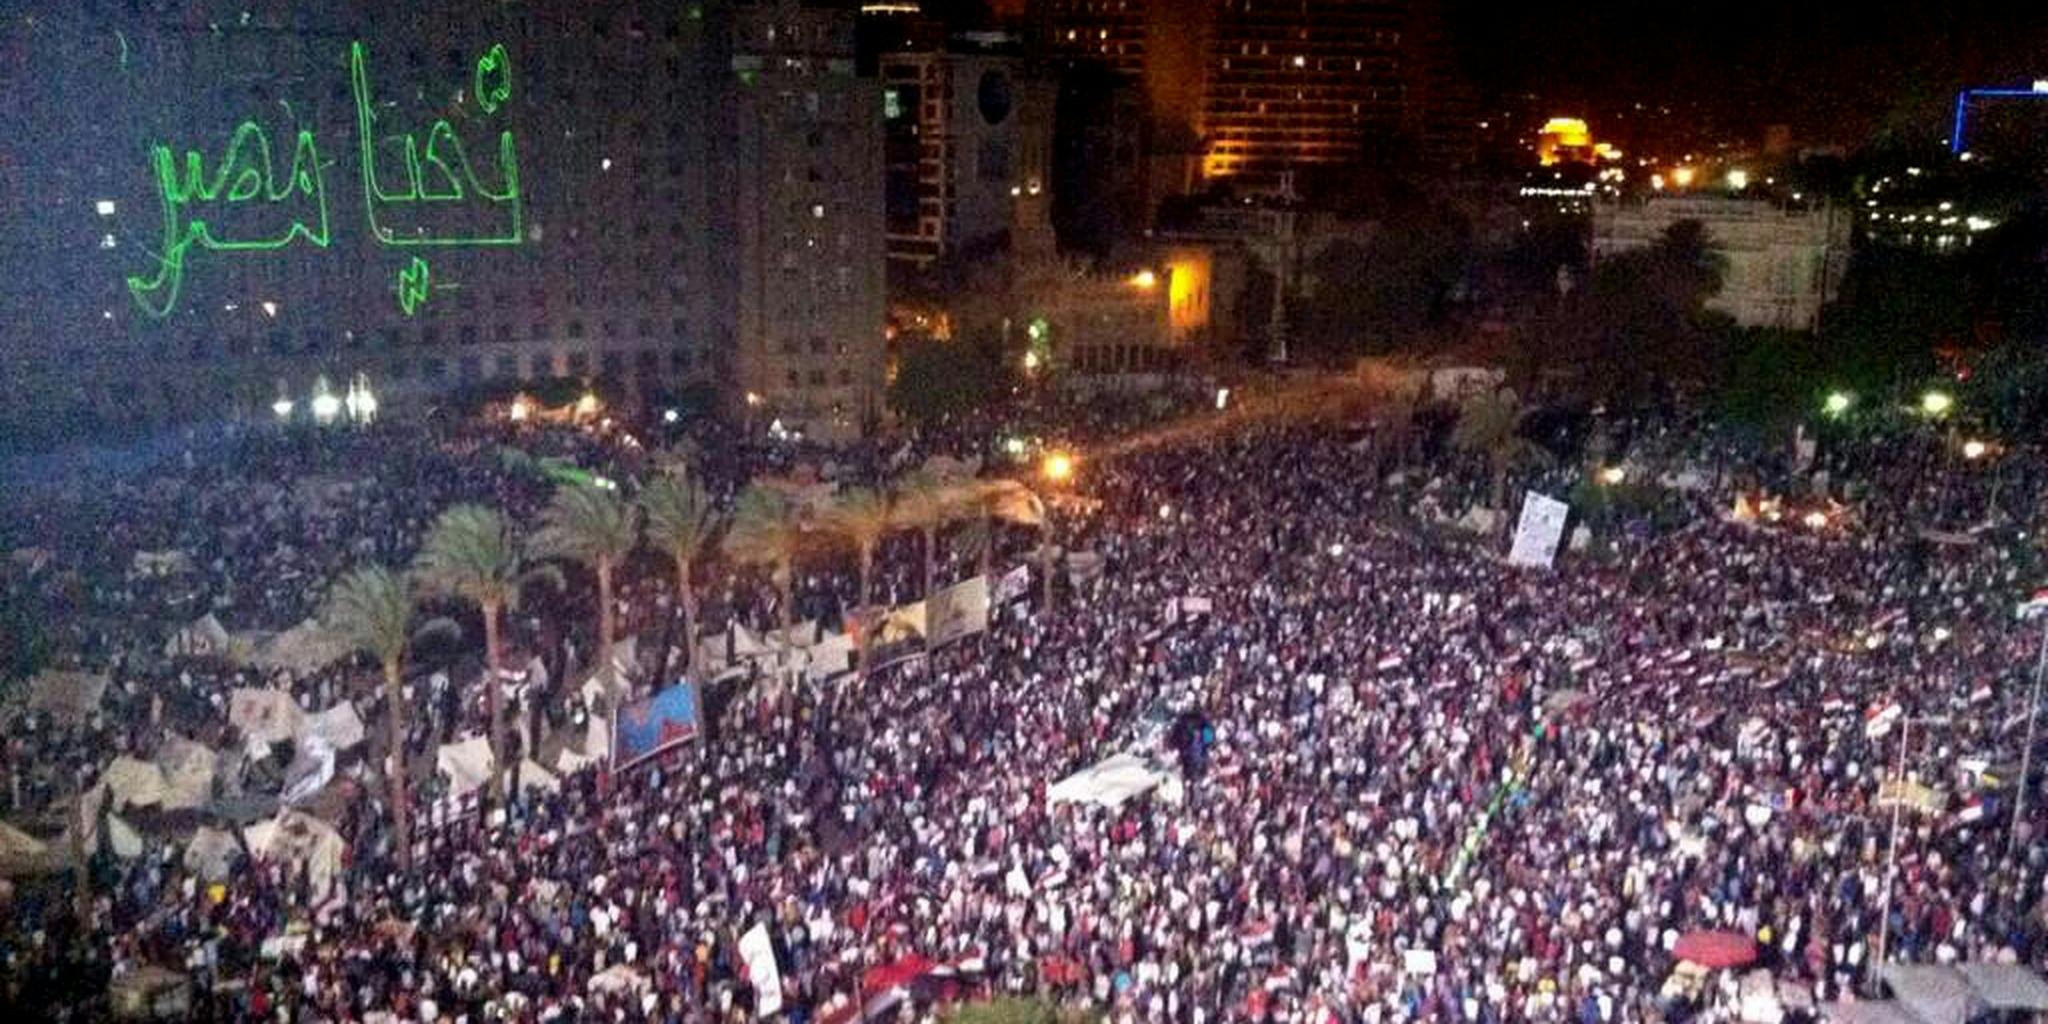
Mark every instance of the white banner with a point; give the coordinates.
(957, 611)
(1541, 527)
(759, 954)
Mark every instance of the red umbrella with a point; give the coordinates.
(1715, 949)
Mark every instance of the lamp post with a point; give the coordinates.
(2019, 800)
(1891, 853)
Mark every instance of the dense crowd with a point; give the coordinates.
(1410, 780)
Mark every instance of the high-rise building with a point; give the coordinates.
(967, 128)
(809, 209)
(547, 192)
(1267, 89)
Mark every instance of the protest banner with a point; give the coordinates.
(958, 611)
(1540, 528)
(649, 726)
(758, 953)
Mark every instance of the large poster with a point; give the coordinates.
(1541, 527)
(957, 611)
(648, 727)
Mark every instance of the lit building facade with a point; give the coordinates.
(1784, 263)
(811, 295)
(1272, 89)
(965, 130)
(585, 228)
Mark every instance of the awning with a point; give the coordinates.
(2007, 986)
(1873, 1011)
(1937, 995)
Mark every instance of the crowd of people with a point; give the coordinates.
(1421, 783)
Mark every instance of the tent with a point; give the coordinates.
(205, 638)
(1872, 1011)
(188, 769)
(1715, 949)
(467, 763)
(295, 838)
(1109, 783)
(302, 650)
(133, 783)
(2007, 986)
(339, 727)
(212, 853)
(21, 853)
(66, 696)
(266, 716)
(1937, 995)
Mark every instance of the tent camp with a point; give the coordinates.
(1107, 784)
(339, 727)
(133, 783)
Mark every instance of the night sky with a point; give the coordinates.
(1833, 71)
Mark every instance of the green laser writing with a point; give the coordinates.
(441, 175)
(245, 173)
(413, 281)
(438, 178)
(493, 79)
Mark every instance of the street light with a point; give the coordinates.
(521, 409)
(1974, 449)
(1144, 279)
(1058, 467)
(1936, 403)
(1838, 402)
(283, 408)
(1613, 475)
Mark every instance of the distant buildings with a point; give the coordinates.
(1784, 262)
(967, 127)
(811, 294)
(650, 195)
(1263, 91)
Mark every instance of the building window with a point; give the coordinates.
(817, 378)
(614, 363)
(790, 378)
(679, 359)
(575, 328)
(579, 362)
(648, 361)
(507, 367)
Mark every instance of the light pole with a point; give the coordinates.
(1891, 853)
(2019, 800)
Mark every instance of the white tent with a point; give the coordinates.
(467, 763)
(2007, 986)
(1869, 1011)
(133, 783)
(1937, 995)
(339, 727)
(266, 716)
(303, 649)
(205, 638)
(1107, 784)
(66, 696)
(212, 853)
(188, 769)
(295, 838)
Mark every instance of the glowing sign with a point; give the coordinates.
(229, 207)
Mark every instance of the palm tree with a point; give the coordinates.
(1492, 426)
(471, 554)
(372, 609)
(924, 503)
(681, 521)
(591, 526)
(864, 517)
(766, 531)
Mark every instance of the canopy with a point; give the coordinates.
(303, 649)
(1872, 1011)
(66, 696)
(1107, 784)
(266, 716)
(1937, 995)
(212, 853)
(2007, 986)
(467, 763)
(1715, 949)
(133, 783)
